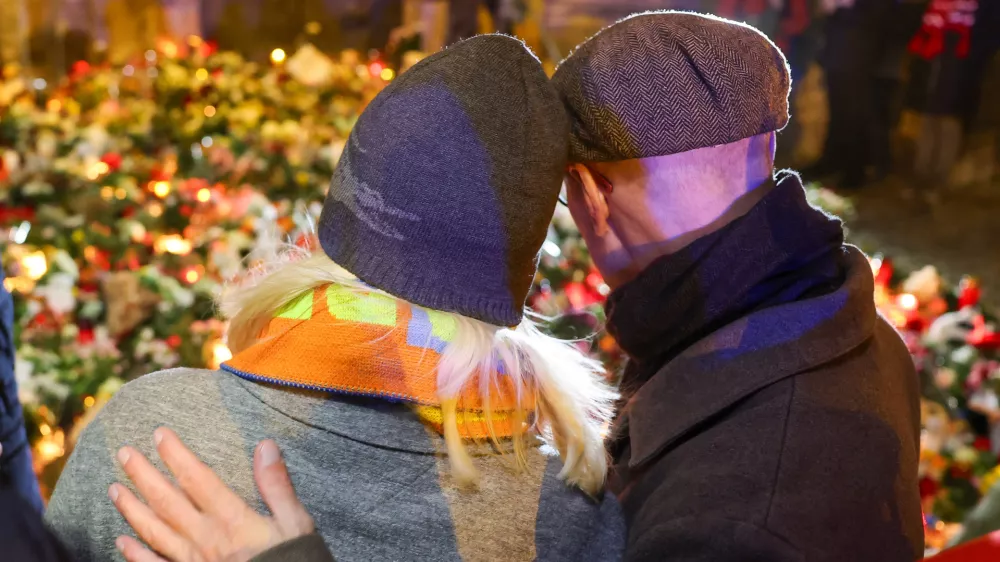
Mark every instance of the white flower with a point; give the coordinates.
(65, 263)
(227, 261)
(58, 293)
(37, 187)
(964, 355)
(91, 309)
(951, 326)
(966, 455)
(183, 297)
(11, 160)
(32, 308)
(110, 387)
(46, 144)
(70, 331)
(23, 369)
(925, 284)
(95, 141)
(131, 230)
(73, 221)
(311, 67)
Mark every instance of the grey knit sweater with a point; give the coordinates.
(371, 475)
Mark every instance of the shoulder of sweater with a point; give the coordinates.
(182, 380)
(169, 388)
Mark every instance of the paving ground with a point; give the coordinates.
(959, 235)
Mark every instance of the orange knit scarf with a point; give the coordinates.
(343, 340)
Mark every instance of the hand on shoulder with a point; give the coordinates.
(203, 520)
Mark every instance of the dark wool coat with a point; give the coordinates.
(787, 433)
(16, 472)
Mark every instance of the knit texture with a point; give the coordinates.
(386, 348)
(665, 82)
(371, 475)
(444, 192)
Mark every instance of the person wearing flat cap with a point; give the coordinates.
(768, 412)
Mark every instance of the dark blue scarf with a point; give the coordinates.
(782, 250)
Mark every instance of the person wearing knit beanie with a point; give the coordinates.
(394, 365)
(769, 412)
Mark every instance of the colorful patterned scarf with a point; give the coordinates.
(349, 341)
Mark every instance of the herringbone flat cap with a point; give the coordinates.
(665, 82)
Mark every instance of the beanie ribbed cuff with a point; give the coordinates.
(411, 287)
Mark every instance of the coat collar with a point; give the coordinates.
(749, 354)
(782, 250)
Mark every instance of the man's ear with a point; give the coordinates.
(593, 196)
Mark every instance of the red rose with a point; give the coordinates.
(157, 174)
(307, 241)
(969, 292)
(12, 214)
(174, 341)
(928, 487)
(960, 472)
(984, 340)
(85, 336)
(884, 274)
(113, 160)
(80, 68)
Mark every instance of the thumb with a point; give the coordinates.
(276, 488)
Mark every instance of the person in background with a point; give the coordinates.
(799, 35)
(887, 81)
(855, 40)
(23, 535)
(385, 17)
(463, 17)
(16, 471)
(769, 412)
(761, 14)
(945, 86)
(985, 52)
(394, 363)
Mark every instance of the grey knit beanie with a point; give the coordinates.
(449, 179)
(660, 83)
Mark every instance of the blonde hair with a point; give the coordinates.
(573, 402)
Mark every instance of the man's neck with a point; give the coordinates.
(672, 236)
(779, 251)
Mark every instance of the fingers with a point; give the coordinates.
(197, 480)
(133, 551)
(148, 526)
(168, 503)
(276, 488)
